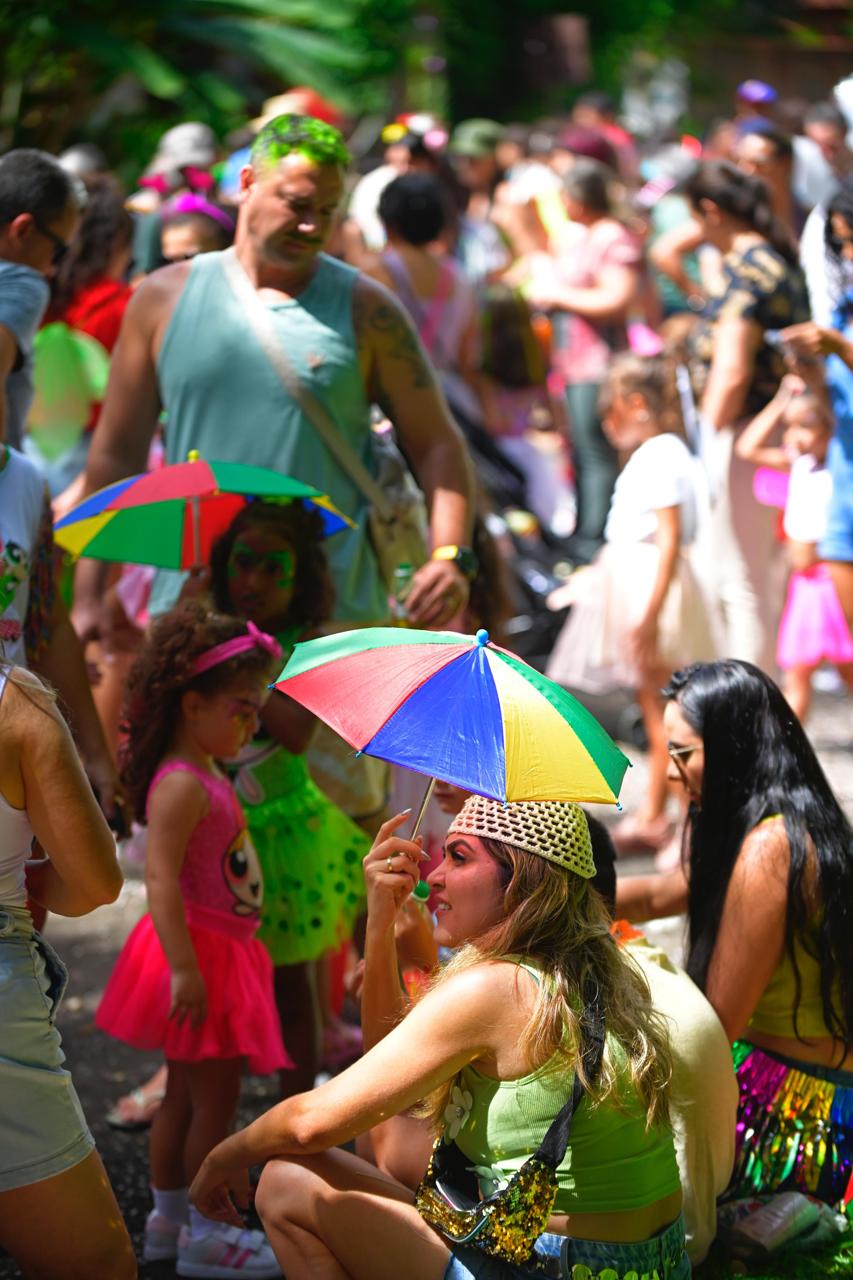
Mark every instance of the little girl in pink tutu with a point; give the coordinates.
(192, 979)
(813, 627)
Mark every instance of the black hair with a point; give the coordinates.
(759, 764)
(604, 857)
(163, 672)
(588, 182)
(826, 113)
(106, 225)
(302, 528)
(222, 238)
(780, 142)
(837, 268)
(598, 101)
(742, 197)
(33, 182)
(415, 208)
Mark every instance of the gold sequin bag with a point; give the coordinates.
(506, 1224)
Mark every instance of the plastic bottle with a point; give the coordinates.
(403, 575)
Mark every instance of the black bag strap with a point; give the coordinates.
(552, 1148)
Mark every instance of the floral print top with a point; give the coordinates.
(759, 285)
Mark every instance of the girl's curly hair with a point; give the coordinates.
(160, 677)
(302, 529)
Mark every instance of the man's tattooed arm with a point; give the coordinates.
(392, 356)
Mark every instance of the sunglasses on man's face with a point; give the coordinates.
(60, 246)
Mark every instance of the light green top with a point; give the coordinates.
(612, 1163)
(774, 1013)
(223, 397)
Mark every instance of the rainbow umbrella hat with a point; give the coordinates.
(457, 708)
(170, 518)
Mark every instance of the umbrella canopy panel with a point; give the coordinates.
(467, 712)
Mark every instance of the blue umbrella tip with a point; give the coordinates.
(482, 638)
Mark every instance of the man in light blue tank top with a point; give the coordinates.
(188, 347)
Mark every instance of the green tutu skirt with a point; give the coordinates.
(310, 853)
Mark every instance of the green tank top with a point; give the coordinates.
(223, 398)
(612, 1164)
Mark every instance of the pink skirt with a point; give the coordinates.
(242, 1019)
(813, 627)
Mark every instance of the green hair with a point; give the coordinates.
(314, 139)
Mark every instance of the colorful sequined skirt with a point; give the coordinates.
(794, 1127)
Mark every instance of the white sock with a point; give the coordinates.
(202, 1226)
(172, 1204)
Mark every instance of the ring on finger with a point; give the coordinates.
(390, 863)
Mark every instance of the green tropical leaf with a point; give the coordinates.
(218, 92)
(126, 55)
(272, 44)
(336, 15)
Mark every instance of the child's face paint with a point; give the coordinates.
(261, 574)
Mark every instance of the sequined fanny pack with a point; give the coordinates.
(508, 1223)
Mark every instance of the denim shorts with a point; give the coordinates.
(662, 1257)
(43, 1130)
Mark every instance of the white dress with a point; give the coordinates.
(593, 651)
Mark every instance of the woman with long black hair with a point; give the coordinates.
(735, 373)
(769, 898)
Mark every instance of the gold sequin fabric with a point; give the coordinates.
(507, 1224)
(553, 829)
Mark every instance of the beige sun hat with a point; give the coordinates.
(552, 829)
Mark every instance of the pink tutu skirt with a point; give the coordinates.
(813, 627)
(242, 1020)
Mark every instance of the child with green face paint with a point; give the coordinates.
(270, 568)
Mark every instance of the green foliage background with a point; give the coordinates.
(118, 72)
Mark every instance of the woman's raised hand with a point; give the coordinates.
(391, 871)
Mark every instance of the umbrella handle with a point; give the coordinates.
(419, 819)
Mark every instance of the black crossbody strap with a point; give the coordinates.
(552, 1149)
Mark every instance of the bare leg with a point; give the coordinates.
(299, 1014)
(845, 670)
(366, 1222)
(651, 705)
(314, 1258)
(69, 1226)
(842, 576)
(401, 1148)
(169, 1130)
(798, 690)
(214, 1090)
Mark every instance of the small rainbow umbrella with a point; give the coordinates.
(458, 708)
(170, 518)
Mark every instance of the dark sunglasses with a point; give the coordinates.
(60, 246)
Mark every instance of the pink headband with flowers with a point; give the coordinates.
(253, 639)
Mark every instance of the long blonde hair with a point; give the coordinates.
(559, 921)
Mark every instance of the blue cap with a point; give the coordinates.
(757, 93)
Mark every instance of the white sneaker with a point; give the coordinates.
(161, 1238)
(224, 1252)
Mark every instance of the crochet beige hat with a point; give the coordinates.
(553, 829)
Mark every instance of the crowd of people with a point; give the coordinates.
(639, 360)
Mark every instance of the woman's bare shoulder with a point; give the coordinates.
(25, 698)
